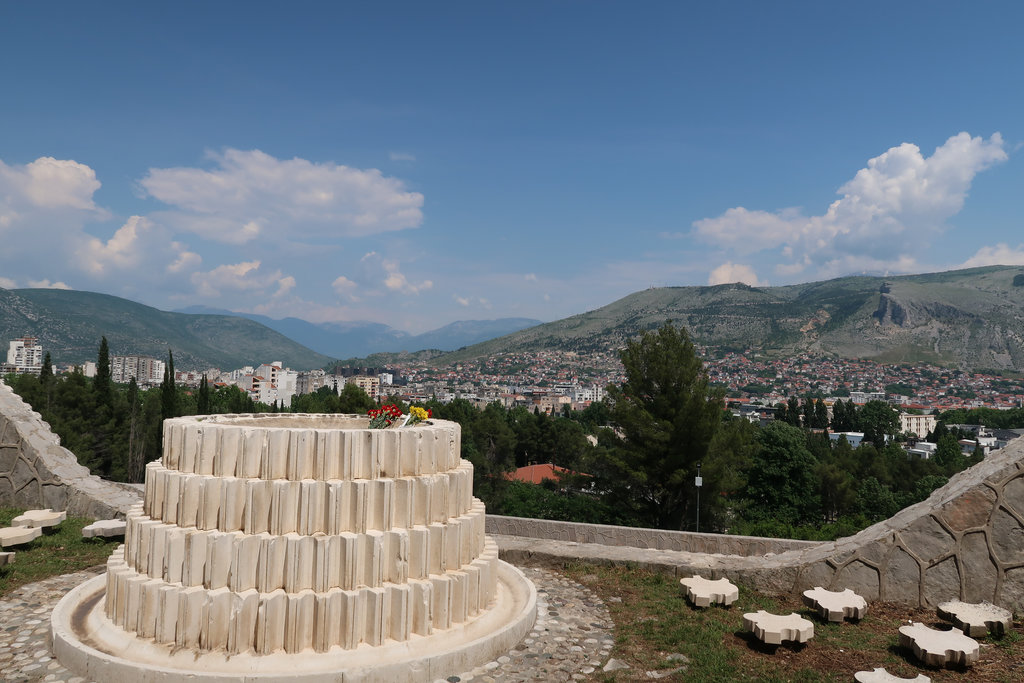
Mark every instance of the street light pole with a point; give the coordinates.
(698, 482)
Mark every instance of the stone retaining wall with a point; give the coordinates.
(965, 542)
(37, 472)
(634, 537)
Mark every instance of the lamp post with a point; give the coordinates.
(698, 482)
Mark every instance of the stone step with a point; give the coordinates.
(976, 619)
(17, 535)
(106, 528)
(880, 675)
(306, 507)
(836, 605)
(703, 592)
(43, 519)
(938, 648)
(772, 629)
(6, 558)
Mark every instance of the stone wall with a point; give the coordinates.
(966, 542)
(634, 537)
(37, 472)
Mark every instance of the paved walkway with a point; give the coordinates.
(571, 639)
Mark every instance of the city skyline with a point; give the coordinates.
(415, 165)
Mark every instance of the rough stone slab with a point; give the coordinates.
(16, 535)
(836, 605)
(40, 518)
(107, 528)
(775, 628)
(880, 675)
(6, 558)
(703, 592)
(976, 619)
(938, 648)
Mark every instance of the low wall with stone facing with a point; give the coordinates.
(37, 472)
(634, 537)
(965, 542)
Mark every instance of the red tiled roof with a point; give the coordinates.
(535, 474)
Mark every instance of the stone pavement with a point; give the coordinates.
(571, 640)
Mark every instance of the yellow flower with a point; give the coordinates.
(418, 414)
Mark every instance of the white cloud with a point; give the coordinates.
(375, 270)
(402, 156)
(999, 255)
(49, 183)
(530, 277)
(250, 193)
(890, 209)
(7, 283)
(186, 260)
(239, 277)
(461, 300)
(46, 284)
(728, 273)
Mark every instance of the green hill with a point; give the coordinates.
(69, 324)
(968, 318)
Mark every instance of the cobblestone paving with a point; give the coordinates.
(571, 640)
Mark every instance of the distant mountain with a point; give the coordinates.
(360, 339)
(967, 318)
(69, 324)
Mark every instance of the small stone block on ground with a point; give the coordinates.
(107, 528)
(938, 648)
(836, 605)
(6, 558)
(16, 535)
(976, 619)
(880, 675)
(40, 518)
(774, 628)
(703, 592)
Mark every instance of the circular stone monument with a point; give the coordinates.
(299, 547)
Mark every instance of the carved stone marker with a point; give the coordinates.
(976, 619)
(16, 535)
(938, 648)
(880, 675)
(40, 518)
(107, 528)
(775, 628)
(836, 605)
(297, 547)
(703, 592)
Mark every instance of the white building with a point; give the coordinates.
(919, 425)
(25, 355)
(853, 438)
(145, 369)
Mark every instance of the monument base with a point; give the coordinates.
(85, 641)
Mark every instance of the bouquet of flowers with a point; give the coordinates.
(386, 416)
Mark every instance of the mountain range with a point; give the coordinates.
(969, 319)
(360, 339)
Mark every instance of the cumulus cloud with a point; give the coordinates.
(376, 271)
(728, 273)
(49, 183)
(887, 211)
(998, 255)
(7, 283)
(46, 284)
(245, 276)
(250, 193)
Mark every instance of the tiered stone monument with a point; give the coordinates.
(299, 547)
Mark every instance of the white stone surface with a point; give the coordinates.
(880, 675)
(976, 619)
(295, 539)
(836, 605)
(6, 558)
(40, 518)
(775, 628)
(107, 528)
(16, 535)
(703, 592)
(938, 648)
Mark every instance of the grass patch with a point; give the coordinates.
(653, 621)
(60, 550)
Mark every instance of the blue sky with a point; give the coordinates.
(420, 163)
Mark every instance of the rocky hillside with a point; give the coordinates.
(968, 318)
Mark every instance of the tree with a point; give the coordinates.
(781, 483)
(668, 415)
(877, 419)
(101, 382)
(204, 404)
(169, 390)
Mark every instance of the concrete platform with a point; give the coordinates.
(772, 629)
(835, 606)
(17, 535)
(40, 518)
(880, 675)
(6, 558)
(87, 642)
(704, 592)
(105, 528)
(976, 619)
(939, 648)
